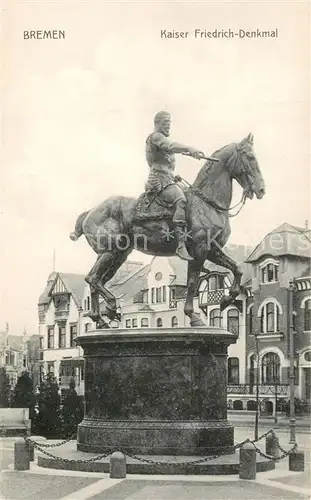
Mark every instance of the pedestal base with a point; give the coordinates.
(156, 391)
(156, 437)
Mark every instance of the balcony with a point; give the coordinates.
(264, 390)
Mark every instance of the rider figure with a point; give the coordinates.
(160, 154)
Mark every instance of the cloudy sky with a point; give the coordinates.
(76, 113)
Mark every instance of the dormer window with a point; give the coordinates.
(215, 282)
(269, 272)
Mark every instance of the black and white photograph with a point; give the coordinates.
(155, 217)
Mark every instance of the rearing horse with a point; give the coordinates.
(113, 230)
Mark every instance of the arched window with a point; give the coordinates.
(233, 371)
(270, 368)
(88, 307)
(174, 322)
(307, 316)
(233, 321)
(249, 320)
(270, 318)
(215, 318)
(159, 323)
(144, 322)
(269, 273)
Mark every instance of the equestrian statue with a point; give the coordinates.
(171, 218)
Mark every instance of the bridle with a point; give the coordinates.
(212, 203)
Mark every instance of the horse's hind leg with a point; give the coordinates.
(104, 269)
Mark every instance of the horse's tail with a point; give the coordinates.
(78, 227)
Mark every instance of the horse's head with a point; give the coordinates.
(246, 170)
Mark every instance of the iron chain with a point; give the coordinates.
(53, 445)
(41, 447)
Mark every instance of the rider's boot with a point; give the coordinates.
(181, 250)
(180, 227)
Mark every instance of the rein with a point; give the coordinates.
(215, 205)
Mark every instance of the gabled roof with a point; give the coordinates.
(283, 240)
(129, 286)
(74, 284)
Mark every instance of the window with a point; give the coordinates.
(270, 368)
(215, 282)
(145, 297)
(173, 293)
(134, 322)
(88, 306)
(159, 323)
(159, 294)
(215, 318)
(73, 335)
(270, 273)
(51, 368)
(233, 321)
(87, 327)
(174, 322)
(62, 336)
(128, 323)
(41, 343)
(249, 320)
(50, 337)
(270, 318)
(307, 316)
(233, 371)
(152, 295)
(144, 322)
(164, 293)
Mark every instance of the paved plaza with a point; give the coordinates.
(47, 484)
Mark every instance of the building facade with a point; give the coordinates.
(153, 296)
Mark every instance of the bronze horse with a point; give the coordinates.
(113, 229)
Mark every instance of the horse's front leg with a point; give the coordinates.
(194, 268)
(219, 257)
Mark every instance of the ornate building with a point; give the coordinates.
(153, 296)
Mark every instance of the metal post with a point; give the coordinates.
(276, 402)
(292, 420)
(257, 389)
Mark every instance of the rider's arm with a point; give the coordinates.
(163, 143)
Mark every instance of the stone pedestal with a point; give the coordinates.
(156, 391)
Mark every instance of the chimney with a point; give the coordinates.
(306, 225)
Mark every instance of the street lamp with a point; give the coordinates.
(292, 420)
(257, 387)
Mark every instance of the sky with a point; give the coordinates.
(76, 113)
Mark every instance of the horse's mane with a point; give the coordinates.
(202, 174)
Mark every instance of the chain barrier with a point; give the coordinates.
(285, 453)
(70, 460)
(40, 447)
(53, 445)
